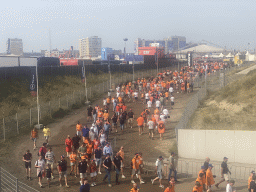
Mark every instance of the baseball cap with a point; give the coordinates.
(253, 172)
(225, 158)
(63, 156)
(210, 165)
(160, 157)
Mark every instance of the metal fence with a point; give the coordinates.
(212, 82)
(10, 183)
(25, 119)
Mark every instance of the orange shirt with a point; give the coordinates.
(108, 100)
(249, 181)
(122, 154)
(156, 111)
(161, 127)
(34, 134)
(89, 148)
(195, 189)
(204, 179)
(120, 99)
(201, 188)
(166, 94)
(169, 189)
(140, 121)
(135, 163)
(72, 158)
(78, 127)
(100, 114)
(134, 190)
(209, 178)
(105, 116)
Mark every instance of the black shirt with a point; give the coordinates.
(27, 156)
(108, 163)
(48, 172)
(130, 114)
(117, 161)
(76, 140)
(89, 109)
(114, 119)
(62, 165)
(94, 111)
(206, 165)
(82, 166)
(252, 185)
(224, 166)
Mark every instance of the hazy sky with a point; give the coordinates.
(229, 23)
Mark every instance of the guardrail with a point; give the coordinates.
(10, 183)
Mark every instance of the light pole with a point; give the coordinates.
(133, 70)
(37, 99)
(109, 70)
(125, 39)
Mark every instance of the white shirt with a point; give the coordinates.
(171, 89)
(149, 104)
(158, 103)
(159, 165)
(117, 89)
(109, 94)
(40, 164)
(229, 188)
(147, 96)
(49, 155)
(104, 102)
(151, 124)
(117, 94)
(165, 112)
(162, 117)
(136, 94)
(172, 99)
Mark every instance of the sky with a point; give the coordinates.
(229, 23)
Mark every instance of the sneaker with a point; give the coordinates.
(161, 186)
(92, 185)
(41, 185)
(109, 185)
(52, 177)
(152, 181)
(141, 182)
(123, 177)
(132, 181)
(99, 173)
(60, 185)
(137, 175)
(67, 186)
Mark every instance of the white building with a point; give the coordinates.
(90, 47)
(14, 46)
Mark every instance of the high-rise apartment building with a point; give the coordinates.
(169, 44)
(90, 47)
(14, 46)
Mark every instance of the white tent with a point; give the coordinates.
(221, 55)
(203, 49)
(229, 55)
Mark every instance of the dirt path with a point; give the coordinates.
(131, 141)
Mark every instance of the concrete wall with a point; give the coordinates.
(13, 61)
(238, 146)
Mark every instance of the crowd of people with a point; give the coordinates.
(90, 150)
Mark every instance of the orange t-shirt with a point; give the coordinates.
(134, 190)
(89, 148)
(166, 94)
(72, 158)
(195, 189)
(209, 178)
(100, 114)
(78, 127)
(122, 154)
(108, 101)
(156, 111)
(169, 189)
(249, 181)
(161, 127)
(140, 121)
(105, 116)
(34, 134)
(204, 179)
(135, 163)
(201, 188)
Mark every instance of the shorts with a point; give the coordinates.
(172, 103)
(72, 163)
(40, 174)
(134, 171)
(151, 131)
(64, 173)
(34, 139)
(51, 163)
(98, 162)
(122, 126)
(46, 137)
(79, 133)
(27, 165)
(122, 164)
(226, 177)
(130, 120)
(94, 174)
(89, 114)
(83, 175)
(159, 175)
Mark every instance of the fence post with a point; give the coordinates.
(30, 117)
(17, 185)
(50, 108)
(17, 123)
(4, 128)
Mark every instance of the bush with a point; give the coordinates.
(60, 113)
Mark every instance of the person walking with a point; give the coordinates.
(209, 177)
(47, 134)
(106, 128)
(172, 167)
(93, 172)
(89, 113)
(48, 174)
(206, 163)
(27, 158)
(82, 169)
(108, 150)
(229, 187)
(196, 188)
(202, 171)
(136, 169)
(73, 164)
(151, 126)
(161, 129)
(79, 129)
(69, 144)
(76, 140)
(114, 121)
(40, 165)
(85, 187)
(42, 151)
(121, 152)
(224, 172)
(82, 150)
(252, 184)
(50, 159)
(98, 157)
(130, 118)
(200, 179)
(107, 164)
(34, 136)
(250, 179)
(117, 164)
(140, 122)
(62, 169)
(159, 165)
